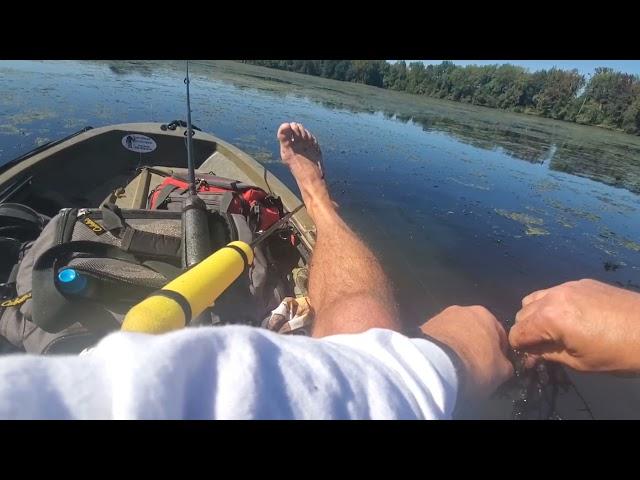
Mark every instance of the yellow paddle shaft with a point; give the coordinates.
(188, 295)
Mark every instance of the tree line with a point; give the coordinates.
(609, 99)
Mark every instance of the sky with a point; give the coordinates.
(584, 66)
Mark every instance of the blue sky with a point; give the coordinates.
(584, 66)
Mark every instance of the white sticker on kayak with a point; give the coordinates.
(138, 143)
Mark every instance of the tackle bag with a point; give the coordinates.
(123, 255)
(261, 209)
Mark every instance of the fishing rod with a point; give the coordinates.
(195, 218)
(188, 295)
(276, 226)
(208, 275)
(190, 166)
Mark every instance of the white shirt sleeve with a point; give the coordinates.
(234, 372)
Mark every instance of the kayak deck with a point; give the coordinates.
(85, 169)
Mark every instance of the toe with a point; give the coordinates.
(284, 132)
(298, 130)
(314, 142)
(306, 136)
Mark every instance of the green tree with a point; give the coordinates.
(610, 99)
(558, 93)
(608, 96)
(631, 117)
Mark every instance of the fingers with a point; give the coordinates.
(540, 294)
(529, 326)
(534, 326)
(538, 330)
(532, 297)
(531, 360)
(550, 353)
(526, 311)
(563, 357)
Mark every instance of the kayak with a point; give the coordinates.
(91, 224)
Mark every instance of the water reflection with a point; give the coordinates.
(600, 155)
(128, 68)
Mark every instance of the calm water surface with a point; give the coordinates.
(464, 205)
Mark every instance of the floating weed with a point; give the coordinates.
(565, 222)
(616, 240)
(532, 231)
(533, 225)
(28, 117)
(630, 244)
(467, 184)
(263, 156)
(534, 210)
(546, 186)
(8, 129)
(612, 206)
(520, 217)
(573, 211)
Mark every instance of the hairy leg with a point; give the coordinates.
(348, 289)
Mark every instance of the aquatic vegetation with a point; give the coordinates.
(263, 156)
(614, 239)
(469, 184)
(520, 217)
(615, 206)
(531, 231)
(630, 244)
(8, 129)
(565, 222)
(533, 225)
(29, 117)
(574, 212)
(546, 186)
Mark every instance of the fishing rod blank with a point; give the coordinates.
(195, 219)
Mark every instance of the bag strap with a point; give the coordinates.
(20, 221)
(138, 241)
(226, 200)
(112, 219)
(12, 248)
(23, 213)
(163, 195)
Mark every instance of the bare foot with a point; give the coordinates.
(300, 151)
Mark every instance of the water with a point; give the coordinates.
(464, 205)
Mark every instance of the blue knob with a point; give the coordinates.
(71, 281)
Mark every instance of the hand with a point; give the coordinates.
(587, 325)
(480, 342)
